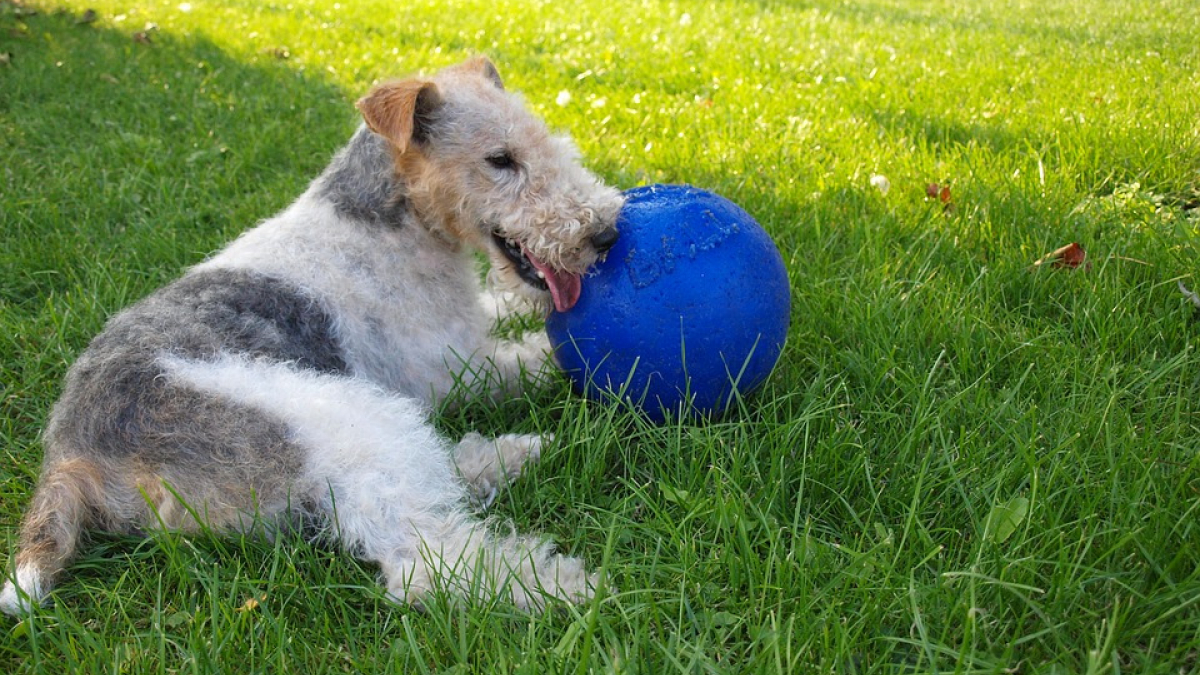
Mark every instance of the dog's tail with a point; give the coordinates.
(63, 504)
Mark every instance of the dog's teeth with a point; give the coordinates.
(541, 274)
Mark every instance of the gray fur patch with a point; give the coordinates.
(117, 406)
(361, 181)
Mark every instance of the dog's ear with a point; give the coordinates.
(401, 111)
(484, 66)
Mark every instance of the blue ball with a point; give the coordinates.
(690, 306)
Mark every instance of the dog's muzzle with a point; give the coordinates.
(604, 240)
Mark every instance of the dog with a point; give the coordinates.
(291, 375)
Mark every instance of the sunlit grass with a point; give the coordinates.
(962, 464)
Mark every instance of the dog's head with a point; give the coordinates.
(480, 169)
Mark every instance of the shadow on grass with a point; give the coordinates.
(142, 150)
(127, 158)
(940, 132)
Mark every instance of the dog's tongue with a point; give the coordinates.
(564, 286)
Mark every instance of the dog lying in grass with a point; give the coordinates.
(291, 373)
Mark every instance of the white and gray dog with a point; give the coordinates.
(291, 374)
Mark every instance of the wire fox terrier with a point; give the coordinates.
(291, 374)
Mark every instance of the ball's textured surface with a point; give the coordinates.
(692, 299)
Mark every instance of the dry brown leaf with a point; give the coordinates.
(1071, 256)
(145, 36)
(942, 194)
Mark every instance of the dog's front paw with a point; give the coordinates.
(514, 451)
(490, 464)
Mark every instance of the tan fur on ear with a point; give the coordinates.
(395, 110)
(483, 66)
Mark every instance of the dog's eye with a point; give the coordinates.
(502, 160)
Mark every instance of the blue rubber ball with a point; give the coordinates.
(690, 306)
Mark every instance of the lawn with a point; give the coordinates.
(963, 463)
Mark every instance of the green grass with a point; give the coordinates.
(961, 465)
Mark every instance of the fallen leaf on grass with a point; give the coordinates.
(145, 36)
(1005, 518)
(1070, 256)
(252, 603)
(942, 194)
(6, 58)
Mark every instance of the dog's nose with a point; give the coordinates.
(604, 239)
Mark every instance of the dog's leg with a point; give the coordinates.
(509, 366)
(500, 370)
(489, 464)
(531, 354)
(442, 547)
(499, 305)
(466, 557)
(387, 481)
